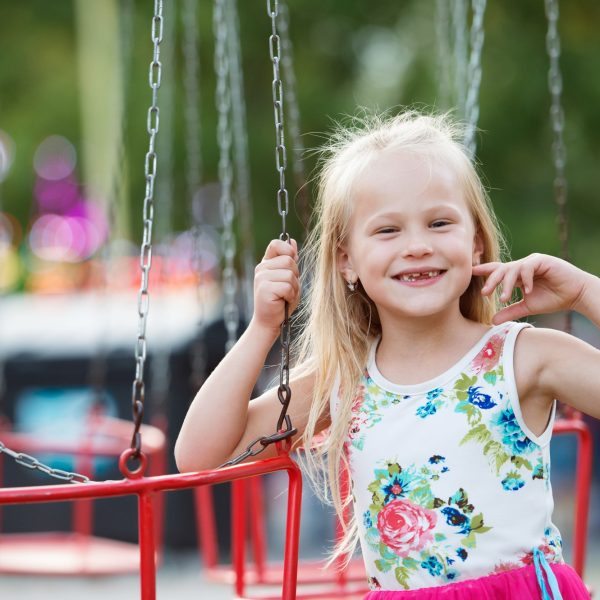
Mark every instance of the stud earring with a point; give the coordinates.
(351, 285)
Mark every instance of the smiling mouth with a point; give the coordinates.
(419, 276)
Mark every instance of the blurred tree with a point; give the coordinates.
(346, 54)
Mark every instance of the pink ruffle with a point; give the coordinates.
(518, 584)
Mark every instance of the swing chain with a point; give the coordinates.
(150, 162)
(474, 75)
(284, 392)
(557, 115)
(224, 138)
(30, 462)
(559, 151)
(293, 115)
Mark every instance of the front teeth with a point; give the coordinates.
(414, 276)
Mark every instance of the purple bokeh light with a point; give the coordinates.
(56, 195)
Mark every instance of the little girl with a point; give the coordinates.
(439, 404)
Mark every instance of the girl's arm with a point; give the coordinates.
(222, 420)
(560, 365)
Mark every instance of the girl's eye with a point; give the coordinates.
(441, 223)
(386, 230)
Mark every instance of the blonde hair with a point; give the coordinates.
(339, 327)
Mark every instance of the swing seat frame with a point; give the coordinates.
(79, 552)
(146, 490)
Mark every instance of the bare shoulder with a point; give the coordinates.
(551, 364)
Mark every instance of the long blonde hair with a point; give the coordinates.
(338, 327)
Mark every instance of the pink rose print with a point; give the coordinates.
(489, 355)
(404, 526)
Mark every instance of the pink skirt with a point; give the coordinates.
(518, 584)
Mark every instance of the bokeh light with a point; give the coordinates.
(55, 158)
(56, 195)
(58, 238)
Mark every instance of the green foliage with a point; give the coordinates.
(345, 53)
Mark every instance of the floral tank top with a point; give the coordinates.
(448, 482)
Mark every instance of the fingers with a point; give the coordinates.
(527, 273)
(279, 247)
(276, 281)
(511, 276)
(495, 274)
(278, 276)
(278, 262)
(512, 312)
(518, 273)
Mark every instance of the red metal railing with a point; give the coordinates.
(146, 488)
(583, 481)
(78, 551)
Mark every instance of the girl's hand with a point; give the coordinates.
(548, 284)
(276, 280)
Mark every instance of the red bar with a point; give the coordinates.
(583, 481)
(162, 483)
(144, 488)
(292, 534)
(205, 525)
(258, 527)
(239, 522)
(147, 546)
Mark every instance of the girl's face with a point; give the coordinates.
(412, 240)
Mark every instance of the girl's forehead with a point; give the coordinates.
(403, 175)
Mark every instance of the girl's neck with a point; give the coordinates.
(418, 349)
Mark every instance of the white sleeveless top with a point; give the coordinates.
(448, 482)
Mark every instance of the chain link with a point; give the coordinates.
(193, 172)
(459, 26)
(474, 76)
(443, 46)
(283, 392)
(30, 462)
(224, 139)
(240, 139)
(557, 119)
(293, 115)
(153, 122)
(160, 373)
(191, 66)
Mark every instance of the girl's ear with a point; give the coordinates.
(344, 264)
(478, 247)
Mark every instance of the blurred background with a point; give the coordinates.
(74, 98)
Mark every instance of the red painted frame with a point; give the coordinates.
(583, 482)
(145, 488)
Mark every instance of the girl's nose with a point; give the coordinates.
(416, 246)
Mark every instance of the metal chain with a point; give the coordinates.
(444, 66)
(160, 373)
(191, 67)
(283, 392)
(293, 114)
(459, 26)
(153, 120)
(277, 91)
(25, 460)
(240, 139)
(224, 139)
(193, 172)
(474, 76)
(557, 118)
